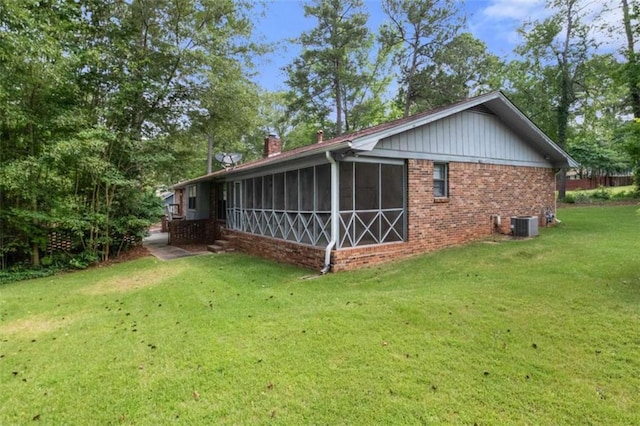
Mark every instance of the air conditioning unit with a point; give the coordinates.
(524, 226)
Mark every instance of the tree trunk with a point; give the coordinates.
(563, 118)
(210, 155)
(35, 255)
(338, 93)
(566, 97)
(633, 79)
(410, 76)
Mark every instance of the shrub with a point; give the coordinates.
(601, 194)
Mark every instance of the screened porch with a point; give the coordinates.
(295, 205)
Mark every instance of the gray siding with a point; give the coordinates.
(203, 202)
(466, 136)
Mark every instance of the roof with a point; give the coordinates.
(367, 139)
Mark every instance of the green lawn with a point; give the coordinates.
(613, 190)
(537, 331)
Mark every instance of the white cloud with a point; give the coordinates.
(496, 22)
(514, 10)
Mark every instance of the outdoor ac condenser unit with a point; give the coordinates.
(524, 226)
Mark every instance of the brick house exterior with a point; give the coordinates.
(415, 185)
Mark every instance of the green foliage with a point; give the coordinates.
(600, 195)
(334, 74)
(424, 38)
(20, 274)
(98, 103)
(629, 138)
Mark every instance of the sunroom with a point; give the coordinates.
(365, 198)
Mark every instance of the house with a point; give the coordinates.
(413, 185)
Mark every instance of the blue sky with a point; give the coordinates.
(495, 22)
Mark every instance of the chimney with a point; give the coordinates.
(320, 133)
(272, 146)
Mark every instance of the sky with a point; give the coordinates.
(495, 22)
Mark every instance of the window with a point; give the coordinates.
(371, 203)
(440, 180)
(191, 197)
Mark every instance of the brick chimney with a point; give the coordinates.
(320, 133)
(272, 146)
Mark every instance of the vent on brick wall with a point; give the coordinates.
(524, 226)
(482, 109)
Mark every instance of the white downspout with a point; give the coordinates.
(555, 199)
(335, 213)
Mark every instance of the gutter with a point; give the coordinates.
(283, 157)
(335, 213)
(555, 199)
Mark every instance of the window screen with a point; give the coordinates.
(392, 186)
(268, 191)
(278, 191)
(306, 189)
(346, 186)
(292, 190)
(323, 187)
(257, 196)
(367, 185)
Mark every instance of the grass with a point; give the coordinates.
(613, 190)
(602, 194)
(536, 331)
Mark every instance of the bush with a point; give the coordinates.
(601, 193)
(20, 274)
(624, 195)
(577, 198)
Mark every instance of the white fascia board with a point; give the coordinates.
(540, 138)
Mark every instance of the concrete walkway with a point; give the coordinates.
(157, 244)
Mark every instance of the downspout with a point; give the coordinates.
(335, 213)
(555, 199)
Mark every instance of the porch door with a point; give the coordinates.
(237, 205)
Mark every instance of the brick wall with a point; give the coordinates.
(477, 192)
(279, 250)
(201, 231)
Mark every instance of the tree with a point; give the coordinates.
(334, 73)
(94, 97)
(554, 52)
(632, 69)
(417, 32)
(39, 105)
(462, 68)
(598, 113)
